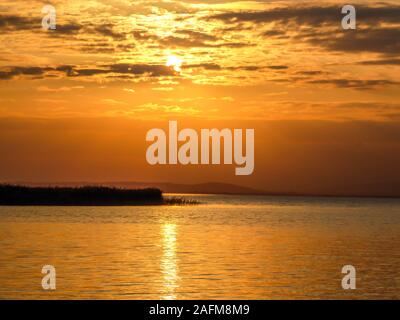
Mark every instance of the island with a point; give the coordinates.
(18, 195)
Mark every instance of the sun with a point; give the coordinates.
(175, 62)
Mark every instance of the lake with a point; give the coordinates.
(228, 247)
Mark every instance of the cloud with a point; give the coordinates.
(118, 70)
(278, 67)
(107, 30)
(205, 66)
(312, 15)
(395, 62)
(378, 40)
(276, 34)
(7, 73)
(97, 47)
(187, 42)
(126, 7)
(15, 23)
(140, 69)
(382, 62)
(66, 29)
(378, 29)
(197, 35)
(310, 72)
(355, 84)
(188, 39)
(214, 66)
(10, 23)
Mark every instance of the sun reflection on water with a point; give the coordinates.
(169, 267)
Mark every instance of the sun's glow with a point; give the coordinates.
(175, 62)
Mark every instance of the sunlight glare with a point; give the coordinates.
(168, 263)
(175, 62)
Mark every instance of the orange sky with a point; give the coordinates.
(76, 102)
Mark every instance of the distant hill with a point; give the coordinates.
(211, 188)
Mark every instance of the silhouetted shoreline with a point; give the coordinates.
(16, 195)
(212, 188)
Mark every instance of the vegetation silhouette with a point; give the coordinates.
(16, 195)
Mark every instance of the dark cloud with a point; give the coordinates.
(88, 72)
(237, 27)
(385, 41)
(276, 34)
(97, 47)
(67, 69)
(15, 23)
(187, 39)
(206, 66)
(198, 35)
(7, 73)
(124, 69)
(257, 68)
(310, 72)
(10, 23)
(395, 62)
(355, 84)
(368, 105)
(66, 29)
(121, 70)
(173, 41)
(142, 35)
(192, 42)
(278, 67)
(125, 46)
(247, 68)
(107, 31)
(140, 69)
(315, 16)
(214, 66)
(374, 33)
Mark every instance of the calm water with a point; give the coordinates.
(229, 247)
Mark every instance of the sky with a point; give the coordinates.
(76, 102)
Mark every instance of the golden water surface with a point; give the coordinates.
(225, 248)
